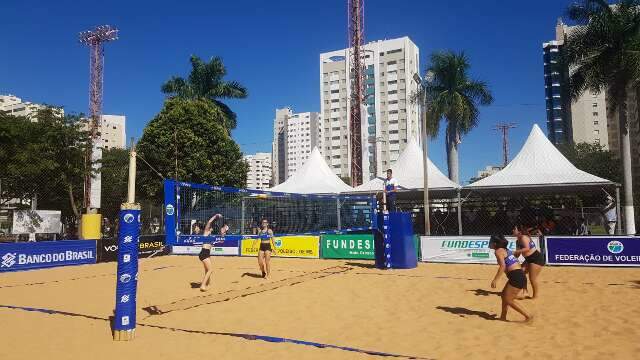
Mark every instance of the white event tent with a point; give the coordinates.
(408, 170)
(540, 165)
(314, 177)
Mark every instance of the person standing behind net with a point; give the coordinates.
(267, 246)
(611, 217)
(390, 190)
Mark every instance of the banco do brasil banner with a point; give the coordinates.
(347, 246)
(37, 255)
(286, 246)
(593, 250)
(462, 249)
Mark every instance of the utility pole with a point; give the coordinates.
(355, 9)
(504, 129)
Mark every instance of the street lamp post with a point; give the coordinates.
(422, 93)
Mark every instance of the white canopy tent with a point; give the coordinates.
(314, 177)
(539, 164)
(409, 171)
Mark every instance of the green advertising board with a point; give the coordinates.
(347, 246)
(352, 246)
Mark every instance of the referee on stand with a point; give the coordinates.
(390, 191)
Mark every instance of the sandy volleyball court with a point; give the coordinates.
(434, 312)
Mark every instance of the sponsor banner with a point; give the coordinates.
(147, 246)
(347, 246)
(286, 246)
(36, 222)
(195, 250)
(593, 250)
(37, 255)
(462, 249)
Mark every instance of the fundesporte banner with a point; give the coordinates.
(462, 249)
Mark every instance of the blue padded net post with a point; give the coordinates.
(127, 275)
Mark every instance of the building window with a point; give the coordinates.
(596, 132)
(595, 113)
(391, 62)
(595, 105)
(596, 122)
(335, 91)
(393, 82)
(394, 51)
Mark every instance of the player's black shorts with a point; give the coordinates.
(204, 254)
(517, 279)
(265, 246)
(535, 258)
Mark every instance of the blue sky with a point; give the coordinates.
(273, 47)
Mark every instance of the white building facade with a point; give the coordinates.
(390, 118)
(113, 134)
(294, 136)
(14, 105)
(260, 173)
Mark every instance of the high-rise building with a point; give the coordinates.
(390, 120)
(14, 105)
(112, 131)
(259, 173)
(294, 136)
(582, 120)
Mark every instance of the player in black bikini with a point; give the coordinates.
(205, 253)
(534, 260)
(267, 246)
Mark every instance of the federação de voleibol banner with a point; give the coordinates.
(593, 250)
(37, 255)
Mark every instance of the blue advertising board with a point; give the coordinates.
(38, 255)
(593, 250)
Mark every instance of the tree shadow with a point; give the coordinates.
(361, 265)
(482, 292)
(463, 312)
(256, 276)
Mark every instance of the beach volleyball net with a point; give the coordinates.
(189, 206)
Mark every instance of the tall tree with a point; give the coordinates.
(186, 141)
(594, 159)
(206, 82)
(454, 97)
(603, 53)
(115, 175)
(43, 159)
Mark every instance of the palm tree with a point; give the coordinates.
(455, 97)
(603, 53)
(206, 81)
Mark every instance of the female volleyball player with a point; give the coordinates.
(508, 264)
(266, 248)
(205, 253)
(533, 260)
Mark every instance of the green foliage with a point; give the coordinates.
(594, 159)
(206, 82)
(43, 159)
(604, 51)
(453, 95)
(191, 132)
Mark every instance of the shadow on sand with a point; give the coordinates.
(462, 312)
(483, 292)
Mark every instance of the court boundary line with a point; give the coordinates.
(253, 337)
